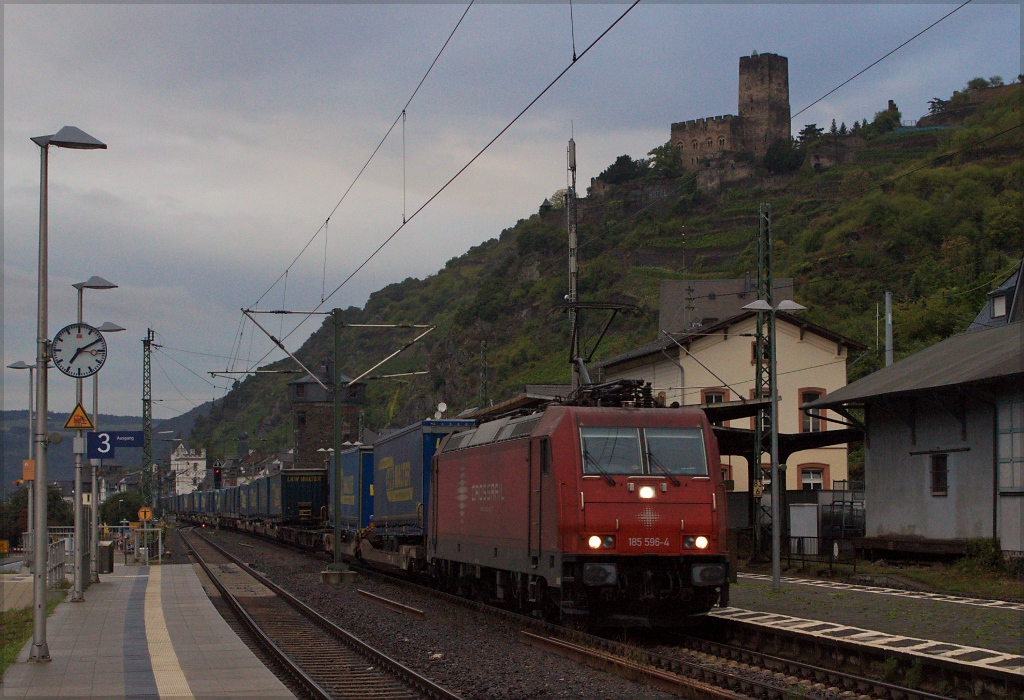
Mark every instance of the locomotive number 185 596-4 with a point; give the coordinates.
(648, 542)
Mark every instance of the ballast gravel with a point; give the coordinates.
(472, 653)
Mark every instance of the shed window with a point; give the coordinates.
(1011, 444)
(940, 474)
(998, 306)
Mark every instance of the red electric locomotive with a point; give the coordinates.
(611, 516)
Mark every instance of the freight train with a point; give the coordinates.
(608, 516)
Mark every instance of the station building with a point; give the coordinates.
(706, 358)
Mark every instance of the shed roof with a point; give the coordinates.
(966, 358)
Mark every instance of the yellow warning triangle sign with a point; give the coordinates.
(79, 420)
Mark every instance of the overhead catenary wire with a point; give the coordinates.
(875, 63)
(373, 154)
(461, 170)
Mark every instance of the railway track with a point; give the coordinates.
(698, 668)
(327, 662)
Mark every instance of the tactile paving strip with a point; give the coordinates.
(927, 648)
(900, 593)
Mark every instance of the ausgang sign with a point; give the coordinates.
(103, 445)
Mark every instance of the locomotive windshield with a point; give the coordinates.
(679, 450)
(671, 451)
(611, 451)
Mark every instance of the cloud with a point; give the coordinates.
(234, 130)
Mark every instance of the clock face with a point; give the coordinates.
(79, 350)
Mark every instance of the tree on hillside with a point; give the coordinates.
(121, 506)
(783, 157)
(666, 160)
(809, 134)
(833, 130)
(623, 170)
(887, 120)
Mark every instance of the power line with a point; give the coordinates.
(373, 154)
(865, 70)
(458, 173)
(190, 371)
(194, 405)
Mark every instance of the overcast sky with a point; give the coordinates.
(233, 131)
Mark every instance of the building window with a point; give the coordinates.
(940, 474)
(1011, 444)
(709, 143)
(721, 142)
(713, 396)
(753, 353)
(300, 390)
(998, 306)
(695, 144)
(810, 421)
(812, 479)
(300, 419)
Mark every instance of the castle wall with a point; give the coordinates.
(764, 100)
(700, 139)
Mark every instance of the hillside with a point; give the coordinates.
(894, 212)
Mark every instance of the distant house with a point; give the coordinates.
(713, 362)
(188, 467)
(1004, 304)
(313, 414)
(944, 439)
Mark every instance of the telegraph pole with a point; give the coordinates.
(763, 382)
(570, 215)
(146, 477)
(336, 386)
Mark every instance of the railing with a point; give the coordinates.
(55, 560)
(819, 550)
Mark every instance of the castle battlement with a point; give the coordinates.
(702, 124)
(762, 118)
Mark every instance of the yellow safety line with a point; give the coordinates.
(170, 680)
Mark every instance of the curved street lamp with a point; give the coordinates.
(68, 137)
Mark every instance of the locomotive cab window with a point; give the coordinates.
(611, 451)
(678, 450)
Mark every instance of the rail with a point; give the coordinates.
(421, 684)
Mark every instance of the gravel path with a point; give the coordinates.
(473, 653)
(1001, 630)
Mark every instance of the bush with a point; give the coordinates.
(623, 170)
(121, 506)
(982, 555)
(783, 157)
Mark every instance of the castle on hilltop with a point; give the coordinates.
(762, 120)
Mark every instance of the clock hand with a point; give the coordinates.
(77, 353)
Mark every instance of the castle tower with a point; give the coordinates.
(764, 100)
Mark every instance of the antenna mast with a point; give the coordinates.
(570, 214)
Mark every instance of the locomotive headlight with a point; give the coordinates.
(701, 542)
(594, 542)
(646, 492)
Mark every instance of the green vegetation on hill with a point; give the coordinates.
(903, 214)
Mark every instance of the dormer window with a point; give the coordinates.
(998, 306)
(300, 390)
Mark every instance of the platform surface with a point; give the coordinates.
(143, 632)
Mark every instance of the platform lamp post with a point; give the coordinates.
(31, 375)
(93, 282)
(784, 305)
(94, 516)
(68, 137)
